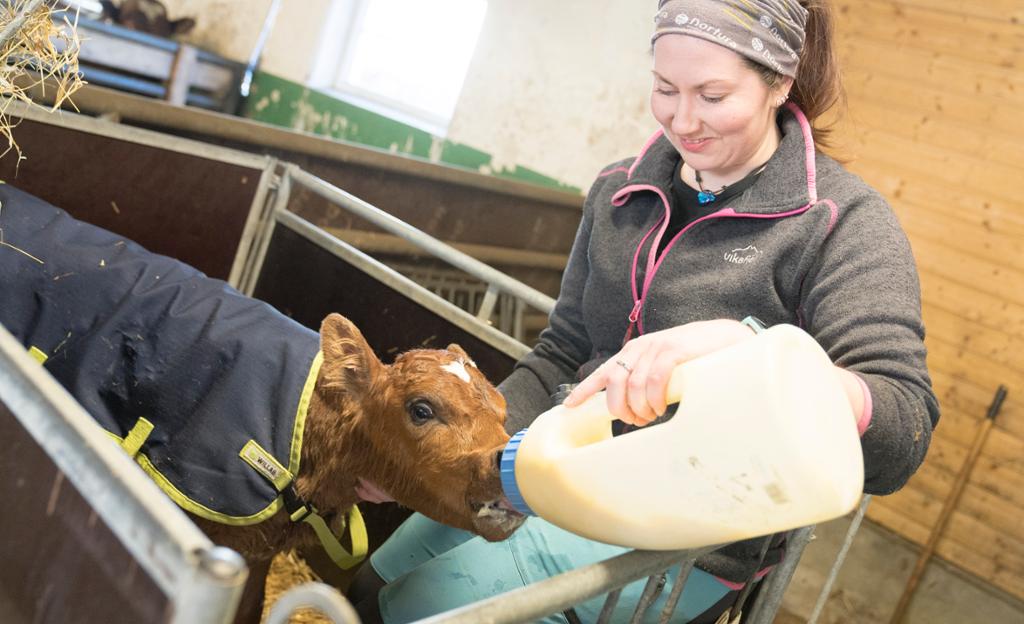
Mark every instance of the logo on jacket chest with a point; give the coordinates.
(745, 255)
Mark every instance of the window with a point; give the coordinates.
(406, 59)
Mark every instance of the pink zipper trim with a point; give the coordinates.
(738, 586)
(654, 261)
(653, 265)
(611, 171)
(812, 172)
(636, 259)
(647, 146)
(662, 224)
(835, 214)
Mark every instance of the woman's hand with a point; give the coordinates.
(636, 377)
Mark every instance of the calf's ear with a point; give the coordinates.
(350, 364)
(460, 352)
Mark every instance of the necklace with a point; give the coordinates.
(706, 196)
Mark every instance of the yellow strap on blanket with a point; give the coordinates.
(133, 442)
(272, 470)
(38, 354)
(338, 554)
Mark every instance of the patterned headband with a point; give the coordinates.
(769, 32)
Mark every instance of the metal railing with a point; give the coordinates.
(497, 282)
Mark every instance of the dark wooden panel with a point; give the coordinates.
(307, 283)
(179, 205)
(60, 562)
(441, 206)
(445, 210)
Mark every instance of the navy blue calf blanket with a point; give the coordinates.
(207, 388)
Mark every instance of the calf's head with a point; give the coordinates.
(433, 428)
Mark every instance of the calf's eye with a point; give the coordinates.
(420, 412)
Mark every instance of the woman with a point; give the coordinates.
(728, 211)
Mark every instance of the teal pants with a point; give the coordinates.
(430, 568)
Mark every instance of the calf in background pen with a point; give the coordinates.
(248, 420)
(148, 16)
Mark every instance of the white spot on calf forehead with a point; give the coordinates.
(457, 368)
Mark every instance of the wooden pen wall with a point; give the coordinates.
(936, 123)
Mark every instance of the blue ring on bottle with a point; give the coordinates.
(508, 475)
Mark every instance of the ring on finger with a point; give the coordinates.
(629, 369)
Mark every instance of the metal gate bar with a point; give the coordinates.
(567, 589)
(490, 276)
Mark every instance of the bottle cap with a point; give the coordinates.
(508, 475)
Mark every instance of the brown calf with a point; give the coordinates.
(428, 429)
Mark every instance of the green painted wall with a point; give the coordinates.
(281, 102)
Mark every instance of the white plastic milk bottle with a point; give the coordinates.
(764, 440)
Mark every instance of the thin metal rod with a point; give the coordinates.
(560, 592)
(257, 51)
(264, 233)
(833, 574)
(259, 212)
(609, 606)
(422, 240)
(398, 282)
(950, 504)
(737, 608)
(651, 591)
(676, 593)
(487, 305)
(770, 597)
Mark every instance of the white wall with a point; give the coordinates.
(231, 28)
(559, 86)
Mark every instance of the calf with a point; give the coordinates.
(428, 429)
(148, 16)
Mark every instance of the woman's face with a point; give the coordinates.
(716, 111)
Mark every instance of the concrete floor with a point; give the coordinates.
(873, 577)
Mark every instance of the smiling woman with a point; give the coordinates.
(728, 211)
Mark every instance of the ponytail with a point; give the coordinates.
(818, 86)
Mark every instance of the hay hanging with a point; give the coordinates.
(38, 45)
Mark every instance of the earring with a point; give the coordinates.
(782, 100)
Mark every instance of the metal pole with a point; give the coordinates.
(768, 601)
(834, 572)
(487, 305)
(609, 606)
(422, 240)
(950, 504)
(261, 239)
(677, 592)
(213, 592)
(565, 590)
(651, 591)
(257, 51)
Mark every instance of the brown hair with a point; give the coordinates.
(818, 85)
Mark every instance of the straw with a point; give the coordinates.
(37, 44)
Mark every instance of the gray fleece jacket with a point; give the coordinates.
(808, 244)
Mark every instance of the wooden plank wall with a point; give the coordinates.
(935, 122)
